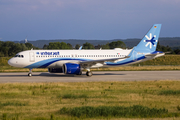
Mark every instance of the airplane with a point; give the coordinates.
(74, 61)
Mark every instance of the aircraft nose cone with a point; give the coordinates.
(10, 62)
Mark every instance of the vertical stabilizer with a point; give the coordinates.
(150, 40)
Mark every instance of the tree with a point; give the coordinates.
(53, 45)
(163, 48)
(98, 46)
(29, 45)
(77, 46)
(58, 45)
(10, 48)
(69, 45)
(88, 46)
(23, 47)
(106, 46)
(117, 44)
(158, 48)
(177, 51)
(45, 46)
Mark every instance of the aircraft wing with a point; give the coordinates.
(90, 63)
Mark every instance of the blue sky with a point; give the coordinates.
(87, 19)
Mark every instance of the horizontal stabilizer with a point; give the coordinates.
(155, 54)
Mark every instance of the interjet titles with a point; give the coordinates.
(49, 53)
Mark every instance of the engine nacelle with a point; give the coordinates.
(55, 70)
(72, 68)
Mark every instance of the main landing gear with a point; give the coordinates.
(30, 72)
(89, 73)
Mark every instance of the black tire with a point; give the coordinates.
(29, 74)
(89, 73)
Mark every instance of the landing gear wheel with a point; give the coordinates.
(89, 73)
(29, 74)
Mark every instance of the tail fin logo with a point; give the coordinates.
(150, 40)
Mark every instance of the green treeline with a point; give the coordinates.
(9, 49)
(58, 45)
(63, 45)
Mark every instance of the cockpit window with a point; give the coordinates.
(20, 56)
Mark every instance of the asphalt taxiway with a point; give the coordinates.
(97, 76)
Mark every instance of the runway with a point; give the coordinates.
(22, 77)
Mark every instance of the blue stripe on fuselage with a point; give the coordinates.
(46, 63)
(126, 61)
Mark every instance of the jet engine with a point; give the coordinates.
(72, 68)
(55, 70)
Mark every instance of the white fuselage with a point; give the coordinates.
(56, 58)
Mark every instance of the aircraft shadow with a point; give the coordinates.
(57, 75)
(69, 75)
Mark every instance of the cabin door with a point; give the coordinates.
(31, 57)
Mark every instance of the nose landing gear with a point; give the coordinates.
(30, 72)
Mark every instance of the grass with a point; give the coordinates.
(164, 60)
(114, 111)
(170, 92)
(139, 68)
(11, 104)
(73, 96)
(44, 101)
